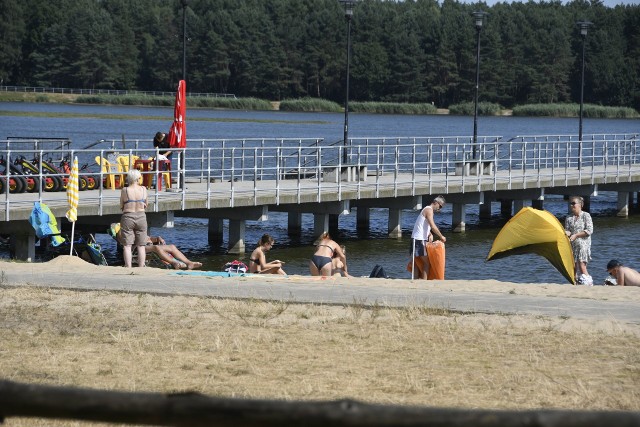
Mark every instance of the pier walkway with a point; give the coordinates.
(245, 180)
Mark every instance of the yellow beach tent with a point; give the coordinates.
(533, 231)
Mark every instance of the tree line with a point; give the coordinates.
(419, 51)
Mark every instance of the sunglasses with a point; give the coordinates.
(574, 203)
(440, 206)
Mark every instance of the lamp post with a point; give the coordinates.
(479, 20)
(584, 28)
(348, 14)
(184, 38)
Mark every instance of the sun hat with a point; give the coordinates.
(613, 263)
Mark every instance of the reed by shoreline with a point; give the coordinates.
(322, 105)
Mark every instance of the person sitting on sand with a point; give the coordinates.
(624, 276)
(258, 260)
(170, 254)
(337, 267)
(167, 253)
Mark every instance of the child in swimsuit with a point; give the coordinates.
(326, 249)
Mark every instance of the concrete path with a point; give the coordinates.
(302, 289)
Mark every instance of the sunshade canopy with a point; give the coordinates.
(533, 231)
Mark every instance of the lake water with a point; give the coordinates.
(613, 237)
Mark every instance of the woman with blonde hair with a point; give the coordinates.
(321, 262)
(578, 227)
(258, 260)
(133, 224)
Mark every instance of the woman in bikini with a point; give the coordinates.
(258, 261)
(133, 224)
(326, 249)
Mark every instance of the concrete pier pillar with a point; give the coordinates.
(294, 226)
(237, 228)
(458, 212)
(587, 204)
(537, 204)
(623, 204)
(485, 210)
(23, 246)
(395, 223)
(320, 224)
(505, 208)
(517, 205)
(363, 218)
(333, 224)
(215, 231)
(164, 219)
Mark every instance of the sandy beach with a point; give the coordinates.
(66, 265)
(67, 322)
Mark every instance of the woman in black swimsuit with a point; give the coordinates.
(326, 249)
(258, 261)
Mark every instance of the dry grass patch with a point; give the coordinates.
(418, 355)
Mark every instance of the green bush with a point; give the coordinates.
(126, 100)
(484, 109)
(392, 108)
(229, 103)
(573, 110)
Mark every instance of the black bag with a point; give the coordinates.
(378, 273)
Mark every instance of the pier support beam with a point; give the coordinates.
(164, 219)
(23, 239)
(459, 204)
(458, 212)
(320, 224)
(215, 231)
(237, 230)
(623, 204)
(505, 208)
(537, 204)
(333, 223)
(23, 246)
(517, 205)
(294, 223)
(363, 218)
(395, 223)
(485, 210)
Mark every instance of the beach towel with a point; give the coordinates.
(211, 273)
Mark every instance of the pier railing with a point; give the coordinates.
(228, 169)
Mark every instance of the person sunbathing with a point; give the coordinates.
(170, 254)
(624, 276)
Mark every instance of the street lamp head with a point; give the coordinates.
(584, 27)
(348, 7)
(478, 16)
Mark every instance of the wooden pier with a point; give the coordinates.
(248, 184)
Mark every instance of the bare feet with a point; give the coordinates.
(177, 265)
(194, 265)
